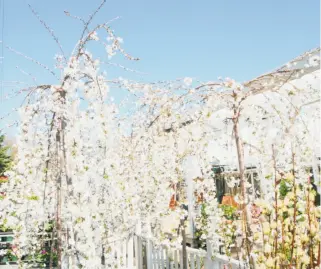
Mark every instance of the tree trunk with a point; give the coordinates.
(245, 213)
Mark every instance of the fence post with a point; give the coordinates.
(138, 252)
(130, 252)
(208, 259)
(149, 249)
(184, 252)
(138, 246)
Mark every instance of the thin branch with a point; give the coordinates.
(125, 68)
(209, 85)
(32, 60)
(51, 32)
(67, 13)
(91, 18)
(43, 87)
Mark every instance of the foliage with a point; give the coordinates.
(284, 188)
(230, 212)
(228, 227)
(5, 159)
(290, 229)
(8, 256)
(200, 233)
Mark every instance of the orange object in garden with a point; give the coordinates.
(173, 203)
(3, 179)
(200, 198)
(229, 200)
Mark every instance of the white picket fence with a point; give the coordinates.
(139, 253)
(163, 258)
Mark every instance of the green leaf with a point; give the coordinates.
(32, 198)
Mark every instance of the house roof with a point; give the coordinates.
(270, 91)
(306, 63)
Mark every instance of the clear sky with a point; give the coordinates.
(173, 38)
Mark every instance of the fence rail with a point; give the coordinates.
(140, 253)
(163, 258)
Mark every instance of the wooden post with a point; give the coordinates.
(149, 249)
(139, 245)
(184, 245)
(208, 258)
(144, 261)
(176, 259)
(130, 253)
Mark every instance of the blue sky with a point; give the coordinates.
(199, 39)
